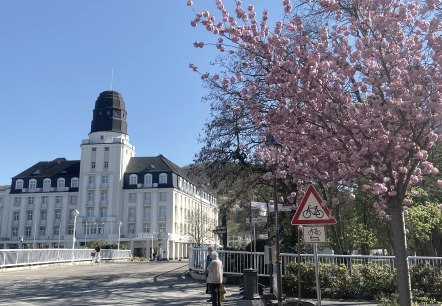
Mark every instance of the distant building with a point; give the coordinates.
(151, 196)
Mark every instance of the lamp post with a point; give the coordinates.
(75, 213)
(274, 145)
(21, 242)
(151, 247)
(119, 235)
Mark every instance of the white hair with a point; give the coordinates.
(214, 255)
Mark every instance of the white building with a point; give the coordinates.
(144, 202)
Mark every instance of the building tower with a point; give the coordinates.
(104, 158)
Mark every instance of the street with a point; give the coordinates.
(124, 283)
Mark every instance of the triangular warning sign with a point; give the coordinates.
(310, 210)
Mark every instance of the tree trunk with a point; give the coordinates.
(397, 232)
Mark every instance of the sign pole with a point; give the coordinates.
(318, 284)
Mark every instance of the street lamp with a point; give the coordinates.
(275, 146)
(119, 235)
(151, 247)
(75, 213)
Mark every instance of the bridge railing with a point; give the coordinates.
(235, 261)
(25, 257)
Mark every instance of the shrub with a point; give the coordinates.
(366, 281)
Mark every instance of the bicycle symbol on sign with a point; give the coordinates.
(313, 211)
(314, 231)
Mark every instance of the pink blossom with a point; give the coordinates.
(439, 183)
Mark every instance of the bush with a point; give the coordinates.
(366, 281)
(426, 283)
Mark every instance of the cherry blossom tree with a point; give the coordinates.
(352, 90)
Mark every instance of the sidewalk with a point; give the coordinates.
(235, 298)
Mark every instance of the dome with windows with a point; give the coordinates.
(109, 113)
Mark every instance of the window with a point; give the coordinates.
(19, 184)
(60, 183)
(163, 178)
(133, 179)
(1, 199)
(104, 179)
(57, 214)
(28, 231)
(146, 227)
(44, 200)
(162, 227)
(58, 200)
(163, 196)
(94, 149)
(90, 196)
(42, 231)
(32, 185)
(56, 230)
(103, 196)
(31, 200)
(29, 215)
(46, 185)
(17, 201)
(14, 231)
(106, 149)
(100, 228)
(146, 213)
(92, 165)
(91, 180)
(148, 180)
(162, 213)
(90, 212)
(131, 213)
(147, 198)
(43, 214)
(71, 229)
(73, 200)
(132, 197)
(74, 182)
(103, 212)
(16, 216)
(106, 164)
(131, 228)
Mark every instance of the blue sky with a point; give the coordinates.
(57, 56)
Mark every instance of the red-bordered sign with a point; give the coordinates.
(310, 211)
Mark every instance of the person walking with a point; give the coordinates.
(208, 261)
(97, 253)
(215, 278)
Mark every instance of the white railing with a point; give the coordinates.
(27, 257)
(235, 261)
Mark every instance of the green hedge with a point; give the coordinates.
(362, 281)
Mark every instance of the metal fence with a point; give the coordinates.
(236, 261)
(27, 257)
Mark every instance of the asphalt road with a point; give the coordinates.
(118, 283)
(128, 283)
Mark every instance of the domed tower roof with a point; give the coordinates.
(109, 113)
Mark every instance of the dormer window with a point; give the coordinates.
(32, 184)
(163, 178)
(148, 180)
(60, 183)
(19, 184)
(133, 179)
(74, 182)
(46, 185)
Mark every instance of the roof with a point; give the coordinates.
(56, 167)
(153, 164)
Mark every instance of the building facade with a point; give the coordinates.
(144, 203)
